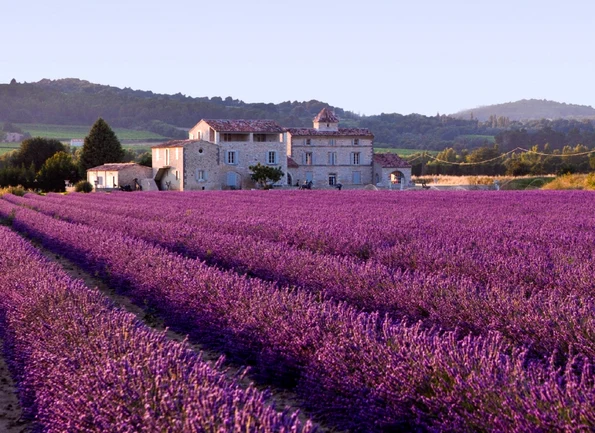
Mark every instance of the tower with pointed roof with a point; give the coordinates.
(326, 121)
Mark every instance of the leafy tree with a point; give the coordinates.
(145, 159)
(264, 175)
(36, 151)
(101, 146)
(55, 171)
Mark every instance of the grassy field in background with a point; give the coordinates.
(489, 138)
(402, 152)
(7, 147)
(67, 132)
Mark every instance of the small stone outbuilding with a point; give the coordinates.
(116, 175)
(391, 171)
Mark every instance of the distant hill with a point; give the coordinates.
(529, 109)
(78, 103)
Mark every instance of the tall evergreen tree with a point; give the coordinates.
(101, 146)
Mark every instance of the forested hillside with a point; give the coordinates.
(528, 109)
(78, 102)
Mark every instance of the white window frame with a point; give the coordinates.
(331, 141)
(309, 158)
(356, 158)
(231, 157)
(274, 159)
(166, 156)
(157, 154)
(177, 154)
(201, 175)
(308, 141)
(332, 158)
(356, 141)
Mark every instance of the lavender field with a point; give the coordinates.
(380, 311)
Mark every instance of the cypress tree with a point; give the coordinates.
(101, 146)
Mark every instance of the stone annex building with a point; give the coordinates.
(218, 153)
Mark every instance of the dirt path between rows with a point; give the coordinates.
(281, 398)
(10, 408)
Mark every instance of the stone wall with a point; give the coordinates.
(201, 156)
(343, 167)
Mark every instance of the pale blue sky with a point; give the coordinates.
(371, 56)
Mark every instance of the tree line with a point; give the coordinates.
(46, 164)
(491, 161)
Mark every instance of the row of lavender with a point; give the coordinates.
(547, 305)
(358, 371)
(84, 366)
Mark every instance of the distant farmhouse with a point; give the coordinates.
(218, 153)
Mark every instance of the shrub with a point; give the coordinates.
(83, 186)
(14, 190)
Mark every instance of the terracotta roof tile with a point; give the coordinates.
(242, 125)
(176, 143)
(326, 116)
(390, 160)
(349, 132)
(116, 166)
(291, 163)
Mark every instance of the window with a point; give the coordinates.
(191, 136)
(227, 137)
(200, 175)
(332, 158)
(332, 179)
(99, 180)
(355, 158)
(309, 158)
(281, 140)
(157, 155)
(331, 142)
(231, 157)
(177, 154)
(309, 176)
(260, 138)
(272, 157)
(356, 141)
(356, 177)
(166, 156)
(308, 142)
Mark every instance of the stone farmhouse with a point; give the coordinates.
(218, 153)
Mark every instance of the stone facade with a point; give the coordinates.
(110, 176)
(328, 155)
(243, 143)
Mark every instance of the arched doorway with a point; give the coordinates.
(397, 178)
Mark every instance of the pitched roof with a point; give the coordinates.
(116, 166)
(177, 143)
(291, 163)
(242, 125)
(390, 160)
(348, 132)
(326, 116)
